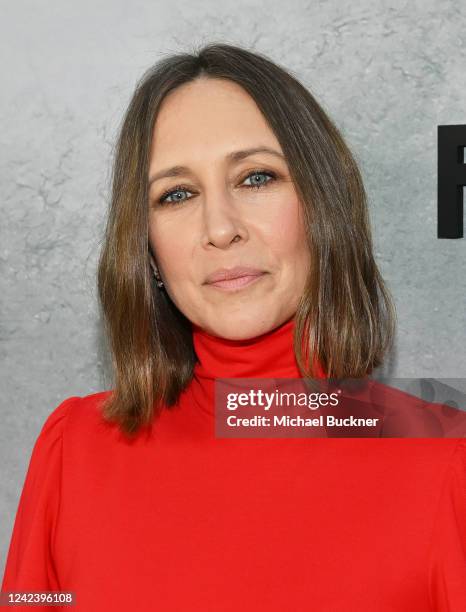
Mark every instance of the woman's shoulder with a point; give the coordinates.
(74, 416)
(457, 465)
(454, 462)
(447, 567)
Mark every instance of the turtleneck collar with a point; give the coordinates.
(268, 355)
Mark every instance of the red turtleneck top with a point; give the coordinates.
(181, 520)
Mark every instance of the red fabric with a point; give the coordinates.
(180, 520)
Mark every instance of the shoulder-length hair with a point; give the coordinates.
(345, 318)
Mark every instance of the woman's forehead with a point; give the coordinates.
(208, 118)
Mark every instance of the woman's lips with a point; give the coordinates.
(233, 284)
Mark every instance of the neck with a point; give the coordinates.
(269, 355)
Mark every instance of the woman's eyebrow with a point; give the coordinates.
(233, 156)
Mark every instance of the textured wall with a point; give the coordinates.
(387, 72)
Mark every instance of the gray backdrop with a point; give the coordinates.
(387, 73)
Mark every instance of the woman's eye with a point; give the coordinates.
(173, 193)
(259, 178)
(257, 174)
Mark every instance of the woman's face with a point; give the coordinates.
(224, 211)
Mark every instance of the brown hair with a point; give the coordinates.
(345, 318)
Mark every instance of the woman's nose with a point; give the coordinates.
(222, 222)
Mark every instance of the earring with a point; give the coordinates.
(157, 276)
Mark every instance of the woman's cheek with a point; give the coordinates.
(289, 230)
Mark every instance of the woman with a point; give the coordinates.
(225, 161)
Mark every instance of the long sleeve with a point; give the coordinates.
(29, 565)
(447, 567)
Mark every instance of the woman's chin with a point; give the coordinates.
(239, 327)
